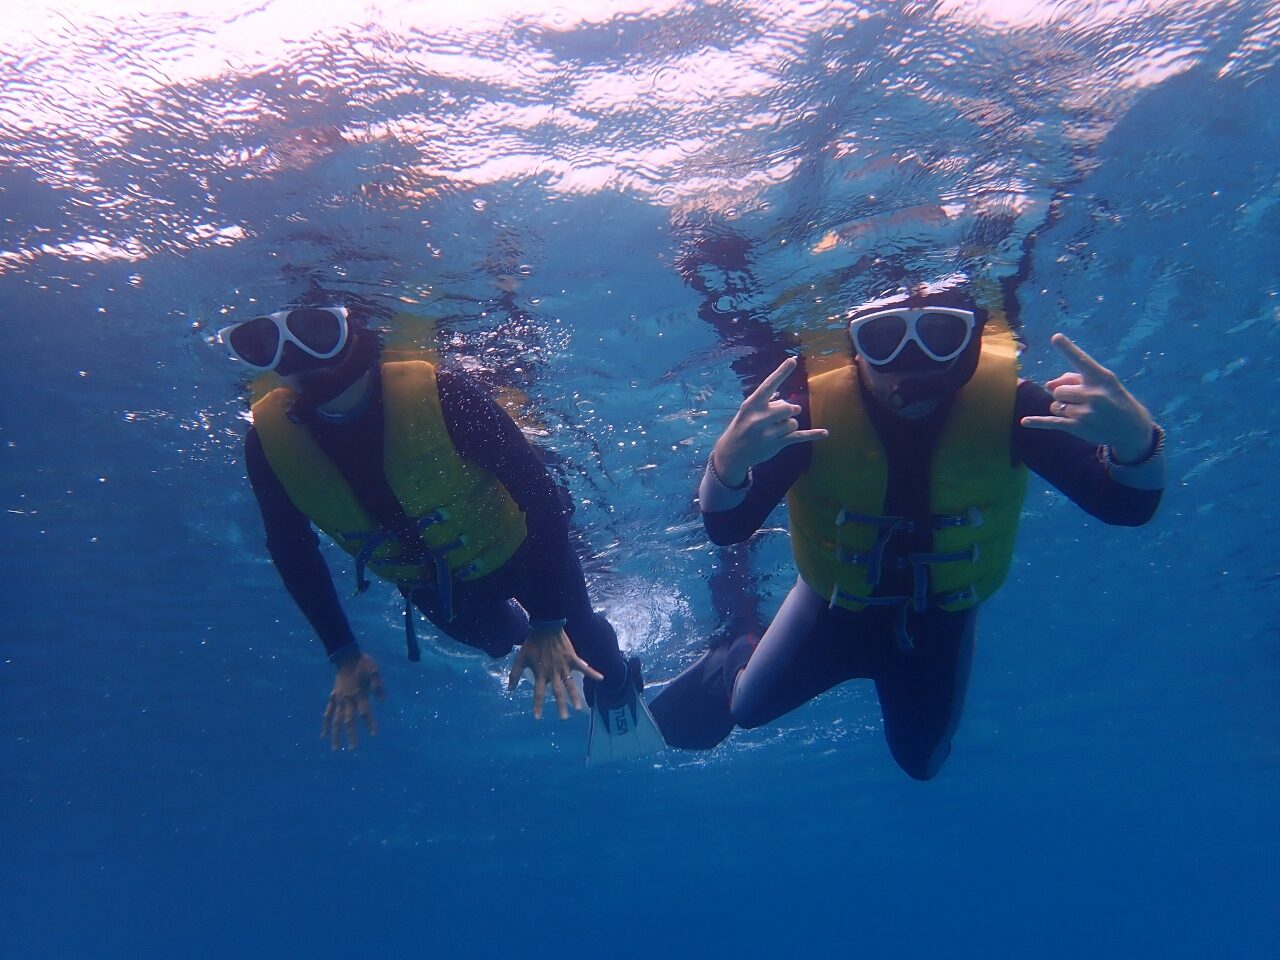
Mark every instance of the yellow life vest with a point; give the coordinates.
(462, 514)
(838, 529)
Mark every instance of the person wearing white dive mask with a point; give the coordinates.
(904, 472)
(428, 484)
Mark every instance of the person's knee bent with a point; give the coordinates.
(921, 760)
(749, 713)
(747, 718)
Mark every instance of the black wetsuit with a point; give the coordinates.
(543, 575)
(811, 647)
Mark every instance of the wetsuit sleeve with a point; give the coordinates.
(295, 550)
(1075, 466)
(484, 434)
(769, 483)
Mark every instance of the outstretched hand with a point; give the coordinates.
(356, 679)
(551, 657)
(762, 426)
(1090, 402)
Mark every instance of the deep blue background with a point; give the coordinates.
(1112, 792)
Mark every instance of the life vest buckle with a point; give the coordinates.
(972, 517)
(430, 519)
(850, 559)
(847, 516)
(954, 596)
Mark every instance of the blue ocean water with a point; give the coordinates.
(531, 182)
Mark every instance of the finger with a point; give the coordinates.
(367, 715)
(349, 723)
(539, 694)
(334, 725)
(328, 716)
(335, 728)
(804, 436)
(575, 695)
(517, 668)
(784, 410)
(557, 689)
(1088, 366)
(1074, 394)
(1065, 424)
(762, 393)
(1076, 411)
(587, 669)
(375, 684)
(1062, 380)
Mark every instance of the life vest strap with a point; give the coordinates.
(917, 603)
(372, 542)
(920, 573)
(442, 582)
(443, 577)
(444, 591)
(886, 527)
(846, 516)
(954, 596)
(839, 594)
(970, 518)
(923, 559)
(411, 630)
(900, 631)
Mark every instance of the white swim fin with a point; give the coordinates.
(621, 725)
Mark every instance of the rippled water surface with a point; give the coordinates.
(602, 210)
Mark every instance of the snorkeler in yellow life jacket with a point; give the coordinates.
(904, 469)
(417, 473)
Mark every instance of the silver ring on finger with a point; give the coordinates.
(1060, 406)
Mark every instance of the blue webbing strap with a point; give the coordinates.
(900, 632)
(444, 582)
(919, 573)
(374, 541)
(885, 527)
(411, 629)
(970, 518)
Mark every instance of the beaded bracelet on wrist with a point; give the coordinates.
(711, 465)
(1157, 445)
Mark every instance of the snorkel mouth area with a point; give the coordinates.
(918, 377)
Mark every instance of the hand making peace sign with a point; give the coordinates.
(762, 426)
(1090, 402)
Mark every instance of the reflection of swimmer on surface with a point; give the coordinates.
(418, 474)
(716, 264)
(904, 471)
